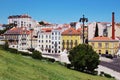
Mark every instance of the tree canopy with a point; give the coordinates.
(83, 57)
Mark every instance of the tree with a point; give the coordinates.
(84, 58)
(96, 31)
(36, 54)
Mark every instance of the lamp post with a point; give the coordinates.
(83, 20)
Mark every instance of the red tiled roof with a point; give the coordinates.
(17, 30)
(80, 29)
(59, 28)
(47, 29)
(101, 38)
(70, 31)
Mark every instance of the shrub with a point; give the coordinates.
(24, 53)
(69, 65)
(36, 55)
(6, 46)
(107, 75)
(12, 50)
(101, 73)
(94, 73)
(49, 59)
(31, 49)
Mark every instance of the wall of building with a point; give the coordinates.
(111, 47)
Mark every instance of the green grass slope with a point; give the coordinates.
(17, 67)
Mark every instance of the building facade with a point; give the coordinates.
(49, 40)
(56, 40)
(104, 45)
(22, 21)
(102, 29)
(44, 40)
(70, 39)
(18, 38)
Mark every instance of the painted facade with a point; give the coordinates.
(104, 45)
(17, 38)
(70, 39)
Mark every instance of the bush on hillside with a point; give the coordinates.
(6, 45)
(84, 58)
(24, 53)
(49, 59)
(12, 50)
(36, 54)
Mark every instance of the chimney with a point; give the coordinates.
(113, 26)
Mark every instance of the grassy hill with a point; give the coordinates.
(17, 67)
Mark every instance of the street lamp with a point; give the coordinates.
(83, 19)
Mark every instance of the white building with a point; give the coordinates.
(44, 40)
(49, 40)
(56, 40)
(117, 30)
(18, 38)
(22, 21)
(102, 29)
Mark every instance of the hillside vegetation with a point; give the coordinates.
(18, 67)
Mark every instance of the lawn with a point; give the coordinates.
(18, 67)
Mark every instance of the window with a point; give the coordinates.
(59, 42)
(76, 43)
(52, 42)
(46, 46)
(55, 33)
(49, 46)
(46, 36)
(59, 37)
(39, 41)
(58, 51)
(46, 41)
(55, 37)
(99, 45)
(21, 23)
(52, 51)
(59, 47)
(52, 38)
(92, 44)
(52, 33)
(42, 46)
(106, 45)
(49, 41)
(71, 43)
(49, 36)
(42, 41)
(42, 36)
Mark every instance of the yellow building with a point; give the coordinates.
(70, 38)
(104, 45)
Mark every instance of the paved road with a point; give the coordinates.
(109, 71)
(113, 64)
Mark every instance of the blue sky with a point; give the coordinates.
(61, 11)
